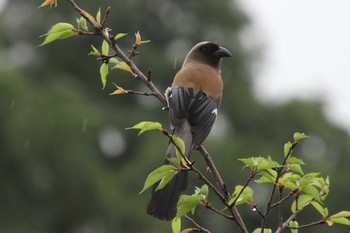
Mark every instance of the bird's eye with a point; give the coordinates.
(205, 49)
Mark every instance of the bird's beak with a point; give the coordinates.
(223, 52)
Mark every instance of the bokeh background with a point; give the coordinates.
(68, 166)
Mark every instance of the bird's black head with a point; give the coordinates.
(208, 53)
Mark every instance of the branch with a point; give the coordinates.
(286, 223)
(280, 171)
(108, 10)
(214, 171)
(283, 199)
(252, 175)
(237, 217)
(209, 206)
(199, 228)
(320, 222)
(137, 73)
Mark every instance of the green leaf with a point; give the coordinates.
(104, 73)
(322, 210)
(343, 221)
(146, 126)
(188, 203)
(82, 23)
(341, 214)
(165, 179)
(289, 180)
(176, 225)
(105, 48)
(267, 164)
(294, 224)
(120, 35)
(58, 31)
(308, 179)
(179, 144)
(89, 16)
(49, 3)
(258, 230)
(160, 174)
(312, 191)
(296, 168)
(302, 200)
(174, 161)
(294, 160)
(287, 148)
(94, 51)
(114, 60)
(123, 66)
(245, 197)
(259, 163)
(267, 176)
(299, 136)
(204, 191)
(98, 16)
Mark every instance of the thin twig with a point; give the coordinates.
(320, 222)
(279, 174)
(280, 215)
(104, 21)
(209, 206)
(252, 175)
(214, 171)
(199, 227)
(286, 223)
(139, 93)
(282, 200)
(258, 211)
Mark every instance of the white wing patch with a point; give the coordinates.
(215, 111)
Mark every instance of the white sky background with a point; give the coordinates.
(306, 52)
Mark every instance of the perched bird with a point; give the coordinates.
(193, 100)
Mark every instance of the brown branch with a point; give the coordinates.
(237, 217)
(286, 223)
(139, 93)
(280, 215)
(199, 228)
(258, 211)
(320, 222)
(84, 33)
(82, 13)
(209, 206)
(282, 200)
(104, 21)
(214, 171)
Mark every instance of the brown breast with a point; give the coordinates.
(200, 76)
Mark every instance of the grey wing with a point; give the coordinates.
(196, 107)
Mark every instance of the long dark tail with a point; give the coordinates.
(163, 204)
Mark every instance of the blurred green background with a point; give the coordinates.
(66, 163)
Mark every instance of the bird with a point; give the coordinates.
(193, 101)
